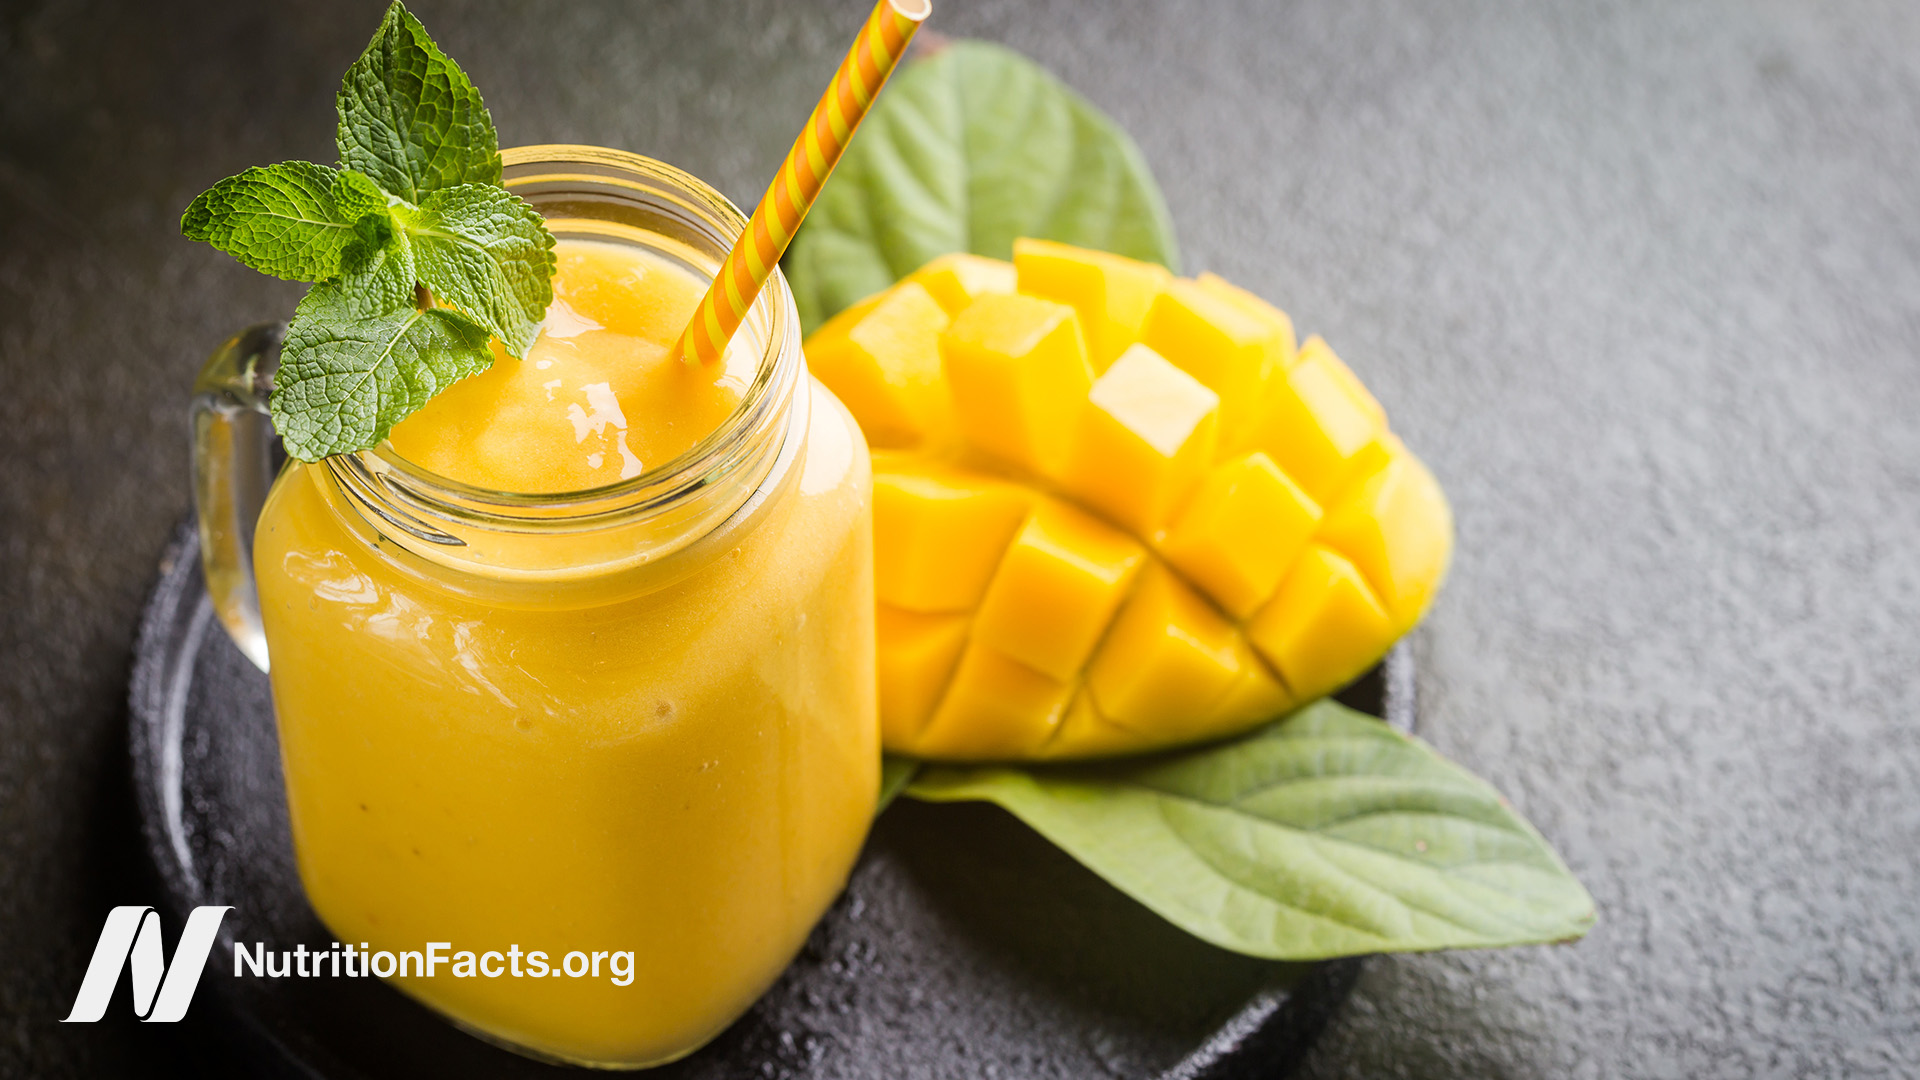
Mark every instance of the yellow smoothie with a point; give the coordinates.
(678, 767)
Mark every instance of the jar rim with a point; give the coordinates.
(375, 475)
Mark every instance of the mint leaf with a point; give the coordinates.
(357, 195)
(487, 252)
(1324, 834)
(410, 118)
(292, 220)
(344, 380)
(377, 269)
(966, 151)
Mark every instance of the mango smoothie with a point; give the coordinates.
(586, 733)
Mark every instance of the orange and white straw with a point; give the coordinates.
(873, 57)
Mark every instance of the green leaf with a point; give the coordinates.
(377, 270)
(345, 380)
(410, 118)
(292, 220)
(1324, 834)
(487, 252)
(895, 774)
(967, 151)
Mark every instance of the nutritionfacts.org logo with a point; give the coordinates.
(162, 990)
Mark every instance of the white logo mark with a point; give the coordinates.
(131, 938)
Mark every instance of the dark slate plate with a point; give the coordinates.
(964, 945)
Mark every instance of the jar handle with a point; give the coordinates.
(236, 455)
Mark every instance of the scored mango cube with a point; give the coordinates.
(1168, 659)
(1084, 733)
(1146, 435)
(1015, 365)
(995, 707)
(1057, 588)
(1210, 338)
(848, 317)
(1112, 293)
(1281, 356)
(1324, 627)
(916, 661)
(1241, 530)
(1256, 696)
(1318, 353)
(959, 279)
(1395, 527)
(883, 363)
(1316, 431)
(938, 532)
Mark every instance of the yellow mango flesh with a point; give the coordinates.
(1057, 588)
(1283, 344)
(1324, 625)
(1386, 529)
(1014, 364)
(1217, 342)
(1147, 434)
(942, 531)
(885, 365)
(1112, 294)
(995, 707)
(917, 654)
(1316, 428)
(1139, 516)
(956, 280)
(1169, 657)
(1240, 532)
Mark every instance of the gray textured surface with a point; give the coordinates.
(1641, 280)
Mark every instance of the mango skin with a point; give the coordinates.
(1169, 526)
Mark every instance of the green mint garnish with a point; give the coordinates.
(342, 376)
(483, 249)
(292, 220)
(415, 213)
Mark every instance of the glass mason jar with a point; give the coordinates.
(634, 724)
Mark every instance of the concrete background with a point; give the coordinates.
(1640, 280)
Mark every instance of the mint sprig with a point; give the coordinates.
(419, 254)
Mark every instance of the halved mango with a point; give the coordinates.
(1217, 528)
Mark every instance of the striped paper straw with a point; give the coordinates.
(873, 57)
